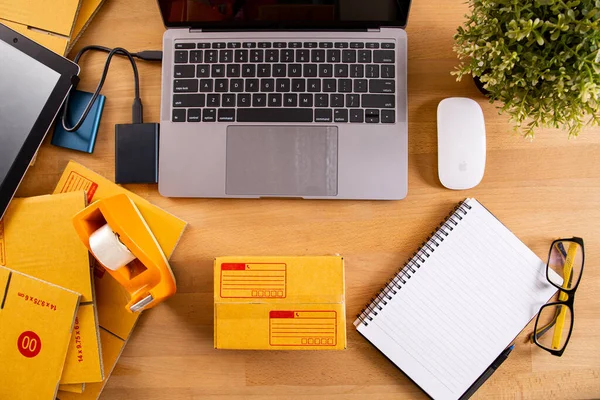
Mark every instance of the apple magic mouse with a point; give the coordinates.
(461, 143)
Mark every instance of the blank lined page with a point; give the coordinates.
(464, 305)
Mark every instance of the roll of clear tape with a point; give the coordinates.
(108, 249)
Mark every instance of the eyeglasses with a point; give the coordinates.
(554, 322)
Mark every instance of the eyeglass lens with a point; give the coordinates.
(553, 326)
(565, 264)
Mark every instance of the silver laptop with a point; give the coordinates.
(284, 98)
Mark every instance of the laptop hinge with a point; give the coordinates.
(191, 30)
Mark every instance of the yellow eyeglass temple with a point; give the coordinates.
(560, 319)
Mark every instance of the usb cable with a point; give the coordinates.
(137, 108)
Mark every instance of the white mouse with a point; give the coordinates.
(461, 143)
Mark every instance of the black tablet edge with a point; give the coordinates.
(69, 72)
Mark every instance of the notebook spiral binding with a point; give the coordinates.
(410, 267)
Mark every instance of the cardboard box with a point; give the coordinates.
(112, 347)
(36, 321)
(280, 303)
(87, 12)
(72, 387)
(57, 44)
(116, 324)
(56, 17)
(40, 240)
(54, 25)
(166, 227)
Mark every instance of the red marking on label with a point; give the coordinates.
(78, 344)
(36, 301)
(303, 328)
(91, 191)
(252, 280)
(29, 344)
(76, 181)
(2, 248)
(233, 267)
(281, 314)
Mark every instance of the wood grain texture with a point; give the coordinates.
(541, 189)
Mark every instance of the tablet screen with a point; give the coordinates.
(25, 85)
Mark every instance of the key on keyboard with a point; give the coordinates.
(320, 82)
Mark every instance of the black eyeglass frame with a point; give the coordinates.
(565, 303)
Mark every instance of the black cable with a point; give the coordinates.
(149, 55)
(137, 108)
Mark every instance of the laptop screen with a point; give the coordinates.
(284, 14)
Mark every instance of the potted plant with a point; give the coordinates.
(540, 58)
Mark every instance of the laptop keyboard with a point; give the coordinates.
(324, 82)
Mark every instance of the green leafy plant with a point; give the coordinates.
(540, 58)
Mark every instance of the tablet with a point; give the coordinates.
(34, 82)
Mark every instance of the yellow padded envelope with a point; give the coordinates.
(36, 320)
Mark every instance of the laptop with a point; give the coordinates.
(284, 98)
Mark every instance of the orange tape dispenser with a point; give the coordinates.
(118, 237)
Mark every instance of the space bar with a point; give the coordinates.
(274, 115)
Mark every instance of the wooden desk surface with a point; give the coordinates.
(541, 190)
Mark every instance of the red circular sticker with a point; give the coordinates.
(29, 344)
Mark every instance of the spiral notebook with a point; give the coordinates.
(457, 303)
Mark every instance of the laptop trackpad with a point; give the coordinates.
(282, 160)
